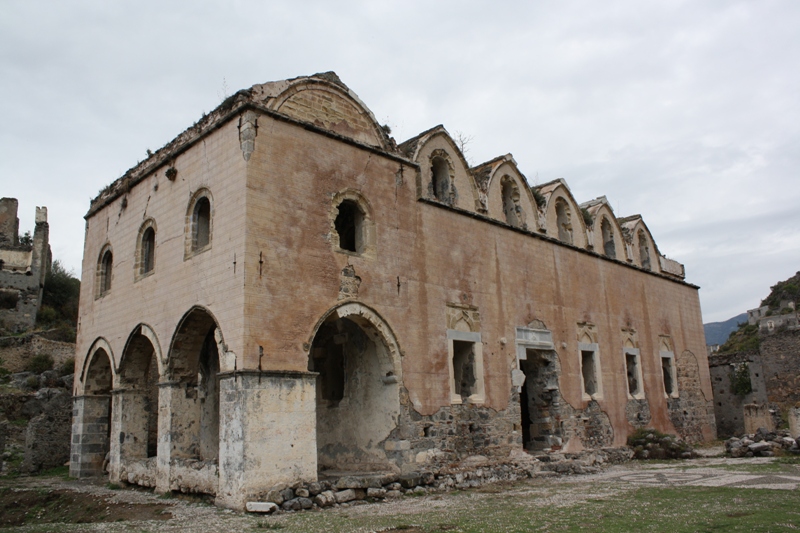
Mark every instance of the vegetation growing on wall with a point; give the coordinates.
(744, 339)
(60, 302)
(783, 290)
(740, 379)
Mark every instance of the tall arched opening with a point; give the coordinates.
(92, 419)
(358, 390)
(136, 410)
(193, 369)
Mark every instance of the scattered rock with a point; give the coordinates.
(261, 507)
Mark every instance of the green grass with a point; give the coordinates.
(673, 509)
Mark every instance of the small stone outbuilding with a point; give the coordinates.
(284, 293)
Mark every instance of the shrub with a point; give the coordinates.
(67, 367)
(740, 380)
(40, 363)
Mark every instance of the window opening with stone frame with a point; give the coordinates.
(633, 372)
(466, 367)
(349, 225)
(511, 207)
(590, 370)
(147, 249)
(563, 221)
(440, 179)
(104, 272)
(609, 246)
(668, 373)
(644, 251)
(201, 224)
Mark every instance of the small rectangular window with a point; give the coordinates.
(668, 371)
(589, 373)
(590, 370)
(633, 372)
(465, 362)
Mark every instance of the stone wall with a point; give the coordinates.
(780, 359)
(22, 268)
(691, 412)
(16, 352)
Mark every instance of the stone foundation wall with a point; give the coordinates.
(691, 413)
(780, 359)
(47, 439)
(16, 352)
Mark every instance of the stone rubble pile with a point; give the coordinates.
(652, 444)
(763, 443)
(473, 472)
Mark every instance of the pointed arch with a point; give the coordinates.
(99, 349)
(605, 236)
(563, 216)
(509, 196)
(641, 247)
(427, 149)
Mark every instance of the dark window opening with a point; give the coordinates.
(644, 251)
(632, 369)
(148, 250)
(201, 224)
(609, 246)
(349, 224)
(464, 368)
(105, 272)
(666, 368)
(441, 179)
(589, 372)
(8, 299)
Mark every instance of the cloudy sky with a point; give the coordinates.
(684, 111)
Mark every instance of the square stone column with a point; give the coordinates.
(178, 434)
(267, 433)
(90, 435)
(128, 429)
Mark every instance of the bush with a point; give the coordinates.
(740, 380)
(59, 298)
(40, 363)
(67, 367)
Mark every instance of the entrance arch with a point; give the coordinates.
(192, 369)
(358, 389)
(138, 395)
(92, 420)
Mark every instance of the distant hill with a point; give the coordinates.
(718, 332)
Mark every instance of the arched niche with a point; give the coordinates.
(357, 358)
(437, 155)
(324, 101)
(642, 250)
(605, 235)
(564, 219)
(509, 197)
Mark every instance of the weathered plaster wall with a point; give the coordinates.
(212, 279)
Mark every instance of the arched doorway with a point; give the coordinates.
(358, 390)
(193, 370)
(137, 398)
(92, 420)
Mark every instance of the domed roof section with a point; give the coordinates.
(326, 102)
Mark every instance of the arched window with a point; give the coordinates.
(644, 251)
(146, 249)
(511, 207)
(440, 179)
(349, 225)
(199, 223)
(563, 221)
(609, 246)
(104, 266)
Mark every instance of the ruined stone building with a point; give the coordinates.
(23, 267)
(282, 292)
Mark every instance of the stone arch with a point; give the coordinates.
(193, 366)
(361, 218)
(563, 216)
(92, 412)
(104, 271)
(144, 263)
(139, 374)
(199, 223)
(608, 239)
(357, 357)
(509, 198)
(441, 185)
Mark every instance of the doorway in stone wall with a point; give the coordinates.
(358, 393)
(540, 400)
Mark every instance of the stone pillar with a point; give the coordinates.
(267, 433)
(794, 422)
(757, 416)
(128, 429)
(90, 427)
(178, 431)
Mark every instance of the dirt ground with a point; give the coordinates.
(56, 503)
